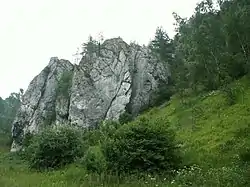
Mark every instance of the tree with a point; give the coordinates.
(162, 45)
(212, 46)
(235, 16)
(8, 110)
(90, 47)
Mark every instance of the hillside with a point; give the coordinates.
(213, 131)
(214, 135)
(172, 113)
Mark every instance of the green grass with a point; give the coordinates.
(213, 134)
(18, 175)
(212, 131)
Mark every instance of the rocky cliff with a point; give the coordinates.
(116, 78)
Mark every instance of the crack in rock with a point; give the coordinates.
(122, 77)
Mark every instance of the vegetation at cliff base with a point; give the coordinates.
(195, 134)
(211, 134)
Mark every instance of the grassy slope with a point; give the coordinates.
(212, 132)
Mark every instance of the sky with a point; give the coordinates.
(33, 31)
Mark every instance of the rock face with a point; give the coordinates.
(39, 101)
(109, 81)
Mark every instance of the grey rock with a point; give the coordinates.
(115, 78)
(38, 102)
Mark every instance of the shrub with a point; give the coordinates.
(104, 131)
(125, 118)
(5, 140)
(94, 160)
(108, 128)
(234, 93)
(143, 145)
(245, 155)
(54, 147)
(163, 94)
(230, 94)
(27, 139)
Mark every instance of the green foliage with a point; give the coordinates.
(5, 140)
(163, 48)
(8, 110)
(104, 131)
(108, 128)
(91, 46)
(27, 140)
(54, 147)
(50, 119)
(162, 45)
(164, 93)
(230, 94)
(225, 176)
(210, 48)
(64, 84)
(14, 172)
(245, 155)
(209, 52)
(214, 136)
(125, 118)
(143, 145)
(94, 160)
(234, 93)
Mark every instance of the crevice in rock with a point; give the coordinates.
(133, 71)
(46, 71)
(112, 100)
(70, 91)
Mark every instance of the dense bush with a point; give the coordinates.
(164, 93)
(27, 139)
(230, 95)
(108, 128)
(125, 118)
(94, 160)
(143, 145)
(245, 155)
(54, 147)
(104, 131)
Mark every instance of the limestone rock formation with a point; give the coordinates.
(114, 78)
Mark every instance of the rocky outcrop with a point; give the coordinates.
(115, 78)
(38, 103)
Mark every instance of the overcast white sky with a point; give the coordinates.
(32, 31)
